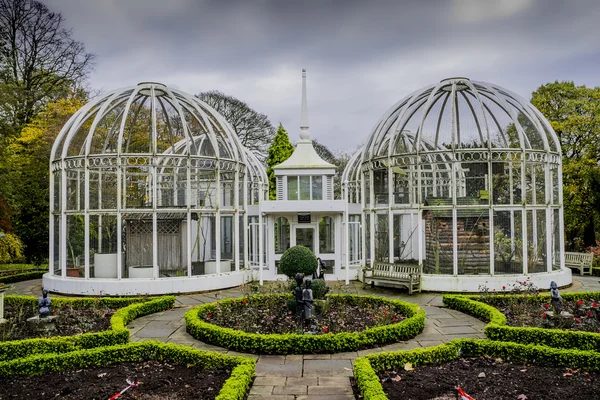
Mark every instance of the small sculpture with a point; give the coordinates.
(307, 298)
(320, 272)
(298, 296)
(44, 304)
(556, 300)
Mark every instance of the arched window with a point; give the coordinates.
(282, 235)
(326, 235)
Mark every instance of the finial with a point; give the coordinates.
(304, 133)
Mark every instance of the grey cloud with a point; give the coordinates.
(362, 56)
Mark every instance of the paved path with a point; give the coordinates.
(320, 376)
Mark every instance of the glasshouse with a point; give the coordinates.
(152, 192)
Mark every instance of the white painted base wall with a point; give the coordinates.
(462, 283)
(130, 287)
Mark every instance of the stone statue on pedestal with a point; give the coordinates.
(307, 298)
(298, 296)
(555, 300)
(44, 304)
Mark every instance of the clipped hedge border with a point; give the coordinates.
(23, 276)
(235, 387)
(307, 344)
(118, 334)
(497, 328)
(365, 368)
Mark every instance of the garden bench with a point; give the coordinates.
(395, 274)
(581, 261)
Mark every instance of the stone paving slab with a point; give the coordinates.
(271, 397)
(290, 389)
(305, 380)
(326, 397)
(294, 370)
(270, 380)
(339, 381)
(327, 368)
(330, 390)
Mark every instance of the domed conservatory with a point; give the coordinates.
(152, 192)
(464, 180)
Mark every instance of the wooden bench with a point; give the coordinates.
(395, 274)
(581, 261)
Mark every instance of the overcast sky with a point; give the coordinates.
(361, 56)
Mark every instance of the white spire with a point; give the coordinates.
(304, 133)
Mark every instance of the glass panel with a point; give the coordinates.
(292, 184)
(282, 235)
(241, 241)
(476, 177)
(57, 246)
(326, 235)
(227, 182)
(171, 237)
(137, 188)
(75, 246)
(508, 243)
(138, 243)
(107, 196)
(381, 186)
(253, 253)
(305, 237)
(368, 237)
(501, 182)
(354, 239)
(473, 242)
(438, 243)
(536, 249)
(203, 244)
(305, 188)
(556, 250)
(227, 256)
(317, 188)
(401, 185)
(382, 240)
(405, 238)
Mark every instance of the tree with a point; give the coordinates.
(39, 61)
(252, 128)
(574, 113)
(28, 176)
(280, 150)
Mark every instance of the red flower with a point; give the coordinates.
(594, 304)
(325, 329)
(546, 306)
(503, 287)
(244, 301)
(544, 315)
(395, 319)
(577, 319)
(208, 316)
(580, 302)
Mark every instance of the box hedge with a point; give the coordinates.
(497, 328)
(235, 387)
(22, 276)
(366, 368)
(308, 344)
(134, 307)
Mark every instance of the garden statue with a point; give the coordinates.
(556, 300)
(44, 304)
(307, 298)
(298, 296)
(320, 272)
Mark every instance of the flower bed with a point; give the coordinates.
(380, 331)
(235, 388)
(118, 334)
(367, 368)
(498, 328)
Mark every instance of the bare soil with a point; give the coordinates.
(157, 380)
(490, 378)
(277, 315)
(70, 321)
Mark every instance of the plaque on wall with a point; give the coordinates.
(304, 218)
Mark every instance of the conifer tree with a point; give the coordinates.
(280, 150)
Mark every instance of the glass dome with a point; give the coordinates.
(150, 182)
(461, 178)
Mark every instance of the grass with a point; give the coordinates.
(21, 267)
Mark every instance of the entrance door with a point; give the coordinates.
(305, 236)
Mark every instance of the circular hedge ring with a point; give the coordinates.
(293, 343)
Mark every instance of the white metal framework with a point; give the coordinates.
(150, 182)
(462, 178)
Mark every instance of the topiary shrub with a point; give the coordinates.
(298, 259)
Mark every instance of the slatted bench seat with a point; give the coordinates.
(396, 274)
(582, 261)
